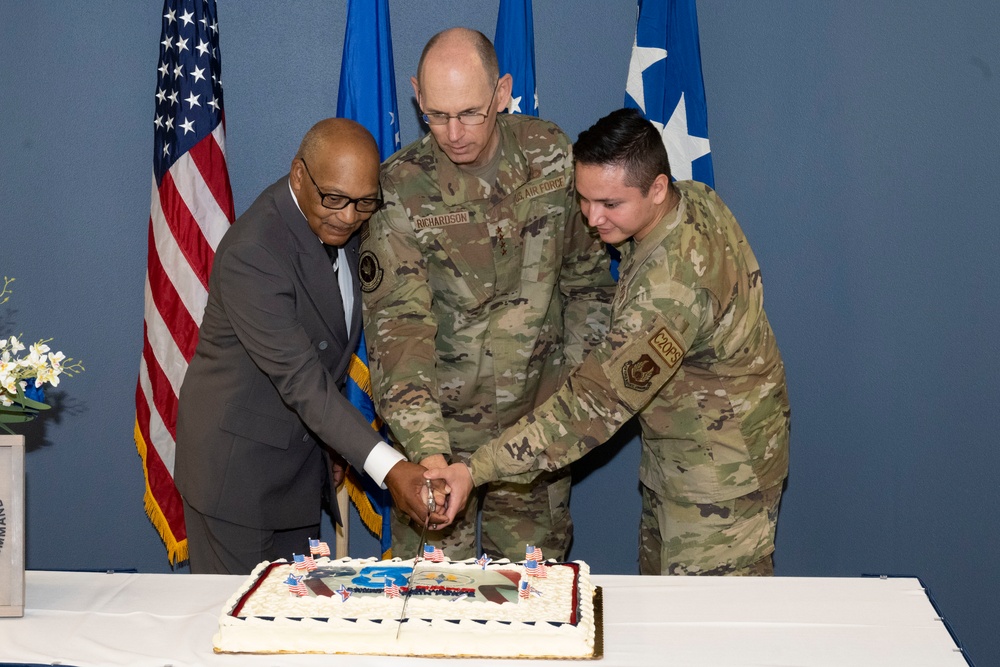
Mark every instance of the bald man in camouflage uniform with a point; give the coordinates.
(483, 287)
(690, 352)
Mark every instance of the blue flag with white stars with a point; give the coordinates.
(665, 83)
(367, 95)
(188, 84)
(515, 45)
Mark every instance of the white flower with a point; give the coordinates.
(55, 360)
(5, 402)
(46, 375)
(15, 345)
(9, 382)
(39, 349)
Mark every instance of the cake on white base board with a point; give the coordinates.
(460, 609)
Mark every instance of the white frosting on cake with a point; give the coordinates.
(270, 619)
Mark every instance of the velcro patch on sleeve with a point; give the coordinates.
(640, 368)
(666, 345)
(376, 278)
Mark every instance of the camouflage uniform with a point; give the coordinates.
(479, 299)
(692, 353)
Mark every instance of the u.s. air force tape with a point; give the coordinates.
(370, 272)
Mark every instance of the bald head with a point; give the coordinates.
(457, 83)
(336, 134)
(461, 45)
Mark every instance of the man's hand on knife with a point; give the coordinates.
(409, 493)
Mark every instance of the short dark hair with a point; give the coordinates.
(480, 42)
(625, 139)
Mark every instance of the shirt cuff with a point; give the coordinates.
(380, 461)
(481, 468)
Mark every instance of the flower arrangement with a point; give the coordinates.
(23, 377)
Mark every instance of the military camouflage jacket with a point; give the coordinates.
(479, 297)
(690, 351)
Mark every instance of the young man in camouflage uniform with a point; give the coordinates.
(483, 288)
(690, 351)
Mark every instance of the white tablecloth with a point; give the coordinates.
(156, 620)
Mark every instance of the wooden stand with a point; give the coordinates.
(11, 525)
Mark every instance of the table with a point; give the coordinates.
(156, 620)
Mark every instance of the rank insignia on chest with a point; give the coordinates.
(638, 373)
(369, 271)
(501, 241)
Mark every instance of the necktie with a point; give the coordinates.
(331, 252)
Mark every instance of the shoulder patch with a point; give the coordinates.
(667, 347)
(370, 271)
(644, 363)
(638, 373)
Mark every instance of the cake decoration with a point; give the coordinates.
(392, 589)
(433, 554)
(317, 548)
(303, 562)
(483, 561)
(535, 569)
(296, 586)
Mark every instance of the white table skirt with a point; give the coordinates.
(156, 620)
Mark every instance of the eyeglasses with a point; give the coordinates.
(465, 117)
(338, 202)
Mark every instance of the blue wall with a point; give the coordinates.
(855, 141)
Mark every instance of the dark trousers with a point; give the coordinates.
(219, 547)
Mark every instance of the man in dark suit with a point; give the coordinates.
(262, 420)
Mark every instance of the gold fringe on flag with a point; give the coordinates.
(371, 519)
(177, 550)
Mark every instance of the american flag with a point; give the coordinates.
(535, 569)
(344, 593)
(317, 548)
(303, 562)
(392, 590)
(523, 589)
(483, 561)
(296, 585)
(532, 553)
(190, 210)
(433, 554)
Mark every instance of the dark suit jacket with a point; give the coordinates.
(264, 387)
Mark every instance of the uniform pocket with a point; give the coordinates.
(541, 252)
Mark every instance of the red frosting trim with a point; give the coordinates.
(263, 575)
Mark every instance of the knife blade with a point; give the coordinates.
(431, 506)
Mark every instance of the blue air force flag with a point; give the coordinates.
(367, 91)
(367, 94)
(666, 84)
(515, 45)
